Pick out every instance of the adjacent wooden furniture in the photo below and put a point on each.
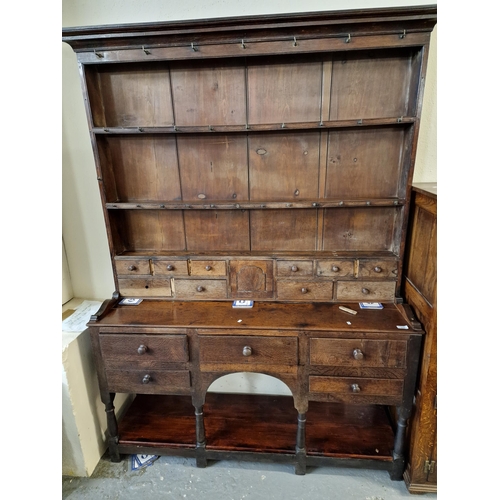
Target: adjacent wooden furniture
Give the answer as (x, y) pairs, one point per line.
(265, 158)
(420, 290)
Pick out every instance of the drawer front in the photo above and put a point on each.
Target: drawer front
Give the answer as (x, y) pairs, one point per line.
(200, 289)
(132, 266)
(149, 381)
(291, 268)
(358, 353)
(366, 291)
(145, 287)
(335, 268)
(143, 349)
(170, 267)
(378, 269)
(208, 268)
(356, 386)
(304, 290)
(249, 350)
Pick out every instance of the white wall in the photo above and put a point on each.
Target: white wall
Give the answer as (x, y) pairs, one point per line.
(82, 219)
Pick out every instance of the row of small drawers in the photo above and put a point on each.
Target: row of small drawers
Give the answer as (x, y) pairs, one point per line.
(337, 268)
(139, 363)
(217, 289)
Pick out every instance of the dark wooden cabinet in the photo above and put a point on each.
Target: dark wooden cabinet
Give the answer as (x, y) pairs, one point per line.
(420, 290)
(265, 158)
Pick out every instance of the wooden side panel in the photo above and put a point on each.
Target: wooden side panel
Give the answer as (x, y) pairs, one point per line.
(284, 166)
(209, 93)
(133, 95)
(284, 90)
(142, 168)
(213, 167)
(364, 163)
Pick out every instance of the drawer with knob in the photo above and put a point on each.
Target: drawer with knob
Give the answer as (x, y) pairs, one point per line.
(170, 267)
(359, 353)
(200, 289)
(335, 268)
(378, 268)
(356, 386)
(304, 290)
(132, 267)
(149, 381)
(145, 287)
(294, 268)
(133, 351)
(227, 349)
(366, 291)
(207, 267)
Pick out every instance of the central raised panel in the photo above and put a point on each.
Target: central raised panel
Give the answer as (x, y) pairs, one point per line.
(251, 279)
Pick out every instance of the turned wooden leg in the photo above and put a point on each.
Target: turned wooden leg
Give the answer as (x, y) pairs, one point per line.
(399, 448)
(201, 459)
(112, 428)
(300, 447)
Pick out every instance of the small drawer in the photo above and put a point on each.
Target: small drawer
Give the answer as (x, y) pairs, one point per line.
(200, 289)
(292, 268)
(170, 267)
(228, 349)
(131, 350)
(358, 353)
(366, 291)
(304, 290)
(356, 386)
(144, 287)
(208, 267)
(132, 266)
(378, 268)
(335, 268)
(149, 381)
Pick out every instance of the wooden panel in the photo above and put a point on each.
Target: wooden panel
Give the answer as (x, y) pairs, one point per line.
(144, 287)
(263, 350)
(148, 230)
(139, 168)
(132, 266)
(359, 229)
(284, 90)
(162, 348)
(294, 268)
(291, 230)
(207, 267)
(251, 278)
(366, 291)
(378, 268)
(367, 387)
(364, 163)
(304, 290)
(284, 166)
(133, 95)
(340, 352)
(335, 268)
(159, 382)
(209, 93)
(217, 230)
(200, 289)
(373, 85)
(170, 267)
(213, 167)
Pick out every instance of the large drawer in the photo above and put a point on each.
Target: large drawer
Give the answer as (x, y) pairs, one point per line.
(366, 291)
(134, 351)
(358, 353)
(356, 386)
(304, 290)
(200, 289)
(149, 381)
(145, 287)
(227, 349)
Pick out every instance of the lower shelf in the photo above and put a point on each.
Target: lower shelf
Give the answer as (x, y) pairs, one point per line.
(256, 424)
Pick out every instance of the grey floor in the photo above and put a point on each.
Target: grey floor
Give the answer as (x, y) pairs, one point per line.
(179, 478)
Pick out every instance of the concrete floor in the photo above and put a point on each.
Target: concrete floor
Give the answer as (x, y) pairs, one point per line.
(179, 478)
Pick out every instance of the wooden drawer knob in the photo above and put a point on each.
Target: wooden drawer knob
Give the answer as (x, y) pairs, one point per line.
(378, 269)
(170, 267)
(358, 354)
(335, 269)
(146, 379)
(294, 269)
(304, 290)
(132, 268)
(142, 349)
(247, 351)
(208, 268)
(365, 291)
(200, 288)
(355, 388)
